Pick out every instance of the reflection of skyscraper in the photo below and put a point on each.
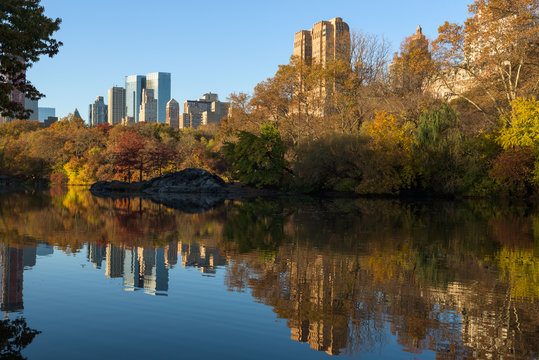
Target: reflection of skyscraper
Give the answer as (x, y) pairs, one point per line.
(96, 254)
(171, 254)
(13, 262)
(146, 269)
(44, 249)
(204, 257)
(131, 269)
(115, 261)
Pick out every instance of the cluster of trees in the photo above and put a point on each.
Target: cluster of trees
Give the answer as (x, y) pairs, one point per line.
(458, 117)
(71, 152)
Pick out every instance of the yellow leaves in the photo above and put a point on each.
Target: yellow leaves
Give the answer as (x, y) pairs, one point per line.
(522, 125)
(388, 131)
(388, 265)
(76, 171)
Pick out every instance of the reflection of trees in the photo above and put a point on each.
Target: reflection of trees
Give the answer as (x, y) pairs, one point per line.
(254, 225)
(71, 219)
(343, 273)
(15, 335)
(338, 278)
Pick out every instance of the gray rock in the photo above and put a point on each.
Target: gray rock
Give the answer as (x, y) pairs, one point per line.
(190, 180)
(191, 190)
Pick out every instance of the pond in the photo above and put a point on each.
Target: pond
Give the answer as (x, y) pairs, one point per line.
(289, 278)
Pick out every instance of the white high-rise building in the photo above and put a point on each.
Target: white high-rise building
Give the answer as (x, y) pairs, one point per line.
(148, 107)
(97, 112)
(173, 114)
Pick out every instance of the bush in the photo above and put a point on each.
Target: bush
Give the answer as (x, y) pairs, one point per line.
(258, 160)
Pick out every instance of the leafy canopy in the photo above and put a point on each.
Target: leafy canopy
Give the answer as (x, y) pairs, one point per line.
(258, 160)
(522, 125)
(25, 35)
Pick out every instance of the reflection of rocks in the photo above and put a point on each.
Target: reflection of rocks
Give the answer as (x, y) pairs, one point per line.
(191, 190)
(189, 203)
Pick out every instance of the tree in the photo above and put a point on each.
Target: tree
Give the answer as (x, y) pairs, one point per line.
(495, 52)
(258, 160)
(438, 146)
(129, 154)
(361, 82)
(25, 35)
(522, 125)
(413, 66)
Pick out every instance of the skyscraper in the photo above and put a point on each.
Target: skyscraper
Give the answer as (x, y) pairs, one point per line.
(159, 82)
(173, 114)
(148, 107)
(116, 105)
(97, 112)
(203, 111)
(45, 112)
(326, 41)
(76, 113)
(133, 94)
(30, 104)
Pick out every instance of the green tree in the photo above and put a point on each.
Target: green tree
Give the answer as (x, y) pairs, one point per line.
(25, 35)
(438, 149)
(258, 160)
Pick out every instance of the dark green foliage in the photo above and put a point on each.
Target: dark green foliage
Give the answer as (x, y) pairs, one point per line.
(15, 335)
(25, 35)
(438, 150)
(258, 160)
(333, 162)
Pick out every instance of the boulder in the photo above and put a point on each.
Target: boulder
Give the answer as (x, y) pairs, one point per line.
(190, 180)
(191, 190)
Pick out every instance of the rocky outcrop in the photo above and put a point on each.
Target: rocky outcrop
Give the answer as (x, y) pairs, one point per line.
(191, 190)
(188, 181)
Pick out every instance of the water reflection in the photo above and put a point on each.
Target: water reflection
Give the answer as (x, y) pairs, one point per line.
(13, 262)
(461, 280)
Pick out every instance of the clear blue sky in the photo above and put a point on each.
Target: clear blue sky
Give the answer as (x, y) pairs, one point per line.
(217, 46)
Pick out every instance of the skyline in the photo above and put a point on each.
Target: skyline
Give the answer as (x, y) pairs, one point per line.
(223, 49)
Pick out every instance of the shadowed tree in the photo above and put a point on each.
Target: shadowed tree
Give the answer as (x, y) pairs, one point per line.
(25, 35)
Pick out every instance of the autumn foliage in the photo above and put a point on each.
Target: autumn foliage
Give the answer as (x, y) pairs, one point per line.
(365, 123)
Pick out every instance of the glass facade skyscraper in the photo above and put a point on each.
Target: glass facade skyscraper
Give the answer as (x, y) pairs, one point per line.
(133, 94)
(159, 82)
(45, 112)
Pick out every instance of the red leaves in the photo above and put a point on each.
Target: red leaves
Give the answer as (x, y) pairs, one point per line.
(129, 154)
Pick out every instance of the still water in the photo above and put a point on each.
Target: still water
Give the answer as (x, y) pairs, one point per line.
(286, 279)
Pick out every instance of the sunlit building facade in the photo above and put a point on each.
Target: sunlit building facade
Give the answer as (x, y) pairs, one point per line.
(116, 105)
(148, 107)
(173, 114)
(203, 111)
(326, 41)
(98, 112)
